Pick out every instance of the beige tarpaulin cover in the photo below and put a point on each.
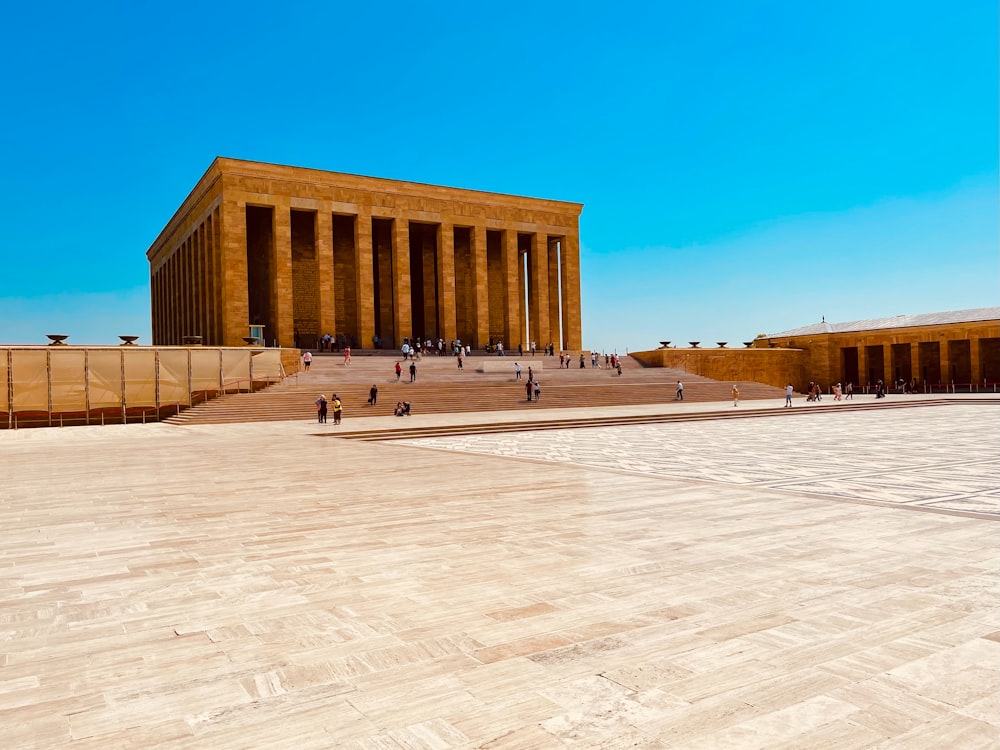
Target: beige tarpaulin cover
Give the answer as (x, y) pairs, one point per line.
(75, 379)
(4, 392)
(206, 367)
(140, 377)
(173, 376)
(236, 368)
(30, 377)
(104, 378)
(68, 373)
(266, 365)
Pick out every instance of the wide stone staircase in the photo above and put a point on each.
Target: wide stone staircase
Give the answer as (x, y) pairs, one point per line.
(441, 388)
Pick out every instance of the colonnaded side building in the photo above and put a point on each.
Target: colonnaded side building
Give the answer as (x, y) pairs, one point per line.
(305, 252)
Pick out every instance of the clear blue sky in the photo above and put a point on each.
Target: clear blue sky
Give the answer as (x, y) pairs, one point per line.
(746, 167)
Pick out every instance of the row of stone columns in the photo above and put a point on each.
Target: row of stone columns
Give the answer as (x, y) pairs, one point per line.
(184, 290)
(946, 358)
(550, 278)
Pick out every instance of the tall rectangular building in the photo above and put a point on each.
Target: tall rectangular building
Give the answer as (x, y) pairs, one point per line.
(304, 252)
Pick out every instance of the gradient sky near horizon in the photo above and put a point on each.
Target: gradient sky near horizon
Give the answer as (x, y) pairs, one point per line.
(746, 167)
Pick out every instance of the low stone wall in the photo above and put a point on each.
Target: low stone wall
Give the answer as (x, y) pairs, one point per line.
(777, 367)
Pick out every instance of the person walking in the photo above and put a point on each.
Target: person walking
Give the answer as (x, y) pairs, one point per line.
(736, 395)
(517, 371)
(680, 391)
(413, 372)
(321, 408)
(461, 366)
(338, 409)
(538, 391)
(399, 371)
(849, 392)
(307, 359)
(373, 395)
(528, 388)
(789, 390)
(347, 355)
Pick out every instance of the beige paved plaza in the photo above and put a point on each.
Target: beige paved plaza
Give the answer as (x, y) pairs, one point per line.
(817, 581)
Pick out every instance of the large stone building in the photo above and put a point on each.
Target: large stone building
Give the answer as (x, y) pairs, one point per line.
(956, 347)
(957, 350)
(304, 252)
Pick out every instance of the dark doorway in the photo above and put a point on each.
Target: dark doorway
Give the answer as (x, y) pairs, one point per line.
(902, 368)
(989, 360)
(849, 364)
(930, 362)
(382, 275)
(960, 361)
(875, 357)
(305, 280)
(345, 278)
(423, 280)
(260, 261)
(465, 283)
(495, 276)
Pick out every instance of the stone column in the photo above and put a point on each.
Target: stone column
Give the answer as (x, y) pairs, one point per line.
(554, 315)
(974, 360)
(571, 328)
(447, 324)
(480, 287)
(324, 270)
(945, 350)
(281, 279)
(511, 285)
(402, 320)
(523, 336)
(199, 282)
(539, 289)
(218, 319)
(235, 297)
(365, 279)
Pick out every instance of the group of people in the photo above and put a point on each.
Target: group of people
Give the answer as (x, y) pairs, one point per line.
(415, 347)
(398, 369)
(322, 408)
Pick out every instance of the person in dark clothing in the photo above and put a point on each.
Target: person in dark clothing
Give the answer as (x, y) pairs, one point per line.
(373, 395)
(413, 372)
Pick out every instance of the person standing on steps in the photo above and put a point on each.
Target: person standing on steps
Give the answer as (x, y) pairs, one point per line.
(413, 372)
(399, 371)
(538, 392)
(517, 371)
(789, 390)
(347, 355)
(373, 395)
(529, 387)
(736, 395)
(338, 409)
(680, 391)
(321, 409)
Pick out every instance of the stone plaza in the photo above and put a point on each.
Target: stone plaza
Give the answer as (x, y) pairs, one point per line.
(798, 579)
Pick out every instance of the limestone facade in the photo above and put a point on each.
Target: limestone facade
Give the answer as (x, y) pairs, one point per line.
(961, 347)
(305, 252)
(958, 349)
